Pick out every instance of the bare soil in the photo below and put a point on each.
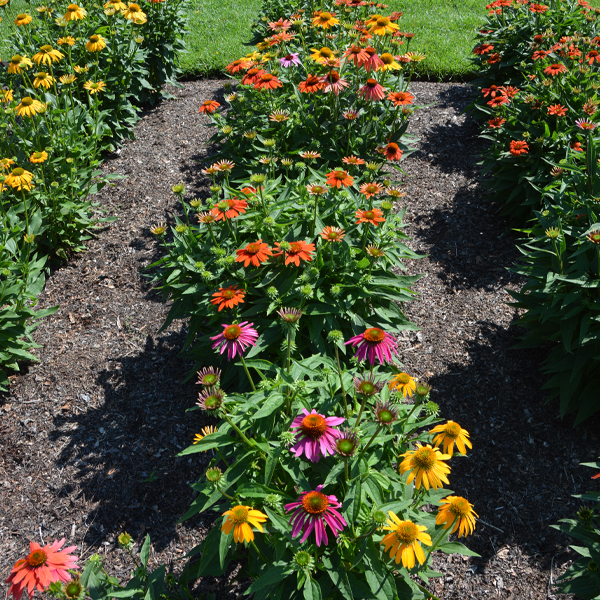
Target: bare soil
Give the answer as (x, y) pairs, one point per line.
(89, 435)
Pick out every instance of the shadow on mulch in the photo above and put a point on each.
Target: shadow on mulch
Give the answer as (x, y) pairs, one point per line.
(135, 428)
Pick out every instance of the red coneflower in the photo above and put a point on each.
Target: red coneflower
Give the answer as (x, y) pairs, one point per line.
(332, 234)
(483, 49)
(370, 189)
(496, 122)
(313, 84)
(334, 83)
(400, 98)
(208, 107)
(392, 152)
(241, 64)
(576, 147)
(539, 54)
(297, 251)
(252, 76)
(498, 101)
(494, 58)
(519, 147)
(555, 69)
(493, 91)
(229, 209)
(373, 62)
(356, 54)
(372, 90)
(339, 178)
(228, 297)
(254, 254)
(558, 110)
(538, 8)
(373, 216)
(593, 55)
(509, 91)
(267, 81)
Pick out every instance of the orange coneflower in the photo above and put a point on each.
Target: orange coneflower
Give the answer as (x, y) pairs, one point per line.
(371, 189)
(310, 155)
(229, 209)
(356, 54)
(325, 20)
(38, 157)
(496, 122)
(392, 151)
(557, 110)
(240, 64)
(373, 216)
(400, 98)
(47, 55)
(353, 160)
(280, 25)
(519, 147)
(23, 19)
(95, 43)
(312, 84)
(593, 55)
(296, 252)
(372, 90)
(228, 297)
(208, 107)
(338, 178)
(252, 76)
(267, 81)
(555, 69)
(332, 234)
(254, 254)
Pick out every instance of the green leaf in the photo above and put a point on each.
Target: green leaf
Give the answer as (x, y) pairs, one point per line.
(271, 463)
(145, 551)
(224, 544)
(312, 590)
(456, 548)
(275, 573)
(339, 576)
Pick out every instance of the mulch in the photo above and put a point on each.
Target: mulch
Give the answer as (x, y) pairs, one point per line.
(89, 435)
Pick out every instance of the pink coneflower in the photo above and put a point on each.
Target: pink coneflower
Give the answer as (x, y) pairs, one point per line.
(235, 338)
(312, 511)
(316, 435)
(372, 90)
(585, 124)
(351, 115)
(290, 60)
(40, 568)
(334, 83)
(373, 61)
(374, 342)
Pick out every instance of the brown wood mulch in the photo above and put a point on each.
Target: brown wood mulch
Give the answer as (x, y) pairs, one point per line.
(88, 436)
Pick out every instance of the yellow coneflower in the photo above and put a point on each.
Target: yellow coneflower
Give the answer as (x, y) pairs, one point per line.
(426, 464)
(74, 13)
(389, 63)
(4, 2)
(29, 107)
(93, 87)
(115, 5)
(239, 518)
(69, 39)
(325, 20)
(19, 179)
(415, 56)
(6, 163)
(459, 511)
(43, 79)
(404, 541)
(404, 383)
(38, 157)
(96, 43)
(44, 10)
(205, 431)
(23, 19)
(79, 70)
(380, 25)
(449, 434)
(6, 95)
(17, 63)
(47, 55)
(67, 79)
(322, 54)
(134, 13)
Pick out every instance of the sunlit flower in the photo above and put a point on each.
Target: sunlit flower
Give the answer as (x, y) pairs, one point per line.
(380, 25)
(373, 344)
(316, 190)
(451, 433)
(538, 8)
(79, 69)
(6, 95)
(235, 339)
(310, 154)
(372, 90)
(313, 511)
(267, 81)
(38, 157)
(240, 64)
(496, 122)
(254, 254)
(289, 60)
(592, 55)
(47, 55)
(370, 190)
(315, 435)
(373, 216)
(239, 518)
(558, 110)
(208, 376)
(353, 160)
(586, 124)
(40, 568)
(296, 252)
(373, 62)
(392, 151)
(339, 178)
(334, 83)
(112, 6)
(403, 383)
(332, 234)
(426, 464)
(44, 80)
(93, 87)
(23, 19)
(29, 107)
(69, 40)
(229, 209)
(252, 76)
(404, 541)
(555, 69)
(367, 385)
(67, 79)
(347, 442)
(322, 54)
(228, 297)
(374, 251)
(385, 413)
(204, 432)
(325, 20)
(389, 63)
(356, 54)
(279, 116)
(458, 511)
(74, 13)
(312, 84)
(6, 163)
(519, 147)
(290, 315)
(17, 63)
(95, 43)
(134, 13)
(280, 25)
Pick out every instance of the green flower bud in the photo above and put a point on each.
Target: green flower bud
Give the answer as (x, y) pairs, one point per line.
(213, 475)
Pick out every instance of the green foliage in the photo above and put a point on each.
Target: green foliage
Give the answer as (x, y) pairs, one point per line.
(582, 578)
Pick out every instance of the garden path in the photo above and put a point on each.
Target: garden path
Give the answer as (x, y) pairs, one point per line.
(88, 436)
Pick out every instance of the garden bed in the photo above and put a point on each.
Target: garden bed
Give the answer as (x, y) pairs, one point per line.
(82, 430)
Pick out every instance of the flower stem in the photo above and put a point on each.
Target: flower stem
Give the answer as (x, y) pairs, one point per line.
(362, 406)
(337, 358)
(222, 457)
(247, 372)
(238, 431)
(369, 442)
(262, 556)
(226, 494)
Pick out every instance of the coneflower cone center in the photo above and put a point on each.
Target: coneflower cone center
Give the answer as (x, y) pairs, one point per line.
(27, 101)
(385, 416)
(459, 507)
(425, 458)
(228, 294)
(407, 533)
(232, 332)
(387, 59)
(383, 21)
(452, 430)
(345, 446)
(18, 172)
(46, 48)
(295, 247)
(313, 425)
(371, 83)
(374, 334)
(253, 248)
(315, 503)
(212, 402)
(239, 514)
(37, 558)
